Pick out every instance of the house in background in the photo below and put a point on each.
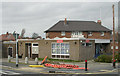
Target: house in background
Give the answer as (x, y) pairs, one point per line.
(82, 29)
(8, 44)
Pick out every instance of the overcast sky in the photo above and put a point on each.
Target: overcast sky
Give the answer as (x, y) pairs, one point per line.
(39, 16)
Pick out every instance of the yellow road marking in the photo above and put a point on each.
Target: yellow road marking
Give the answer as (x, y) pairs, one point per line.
(36, 66)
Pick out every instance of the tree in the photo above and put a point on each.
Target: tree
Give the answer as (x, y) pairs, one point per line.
(34, 35)
(22, 33)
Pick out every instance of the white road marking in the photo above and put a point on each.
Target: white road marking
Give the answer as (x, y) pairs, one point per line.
(8, 72)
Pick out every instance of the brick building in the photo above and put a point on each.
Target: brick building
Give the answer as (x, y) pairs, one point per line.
(8, 44)
(82, 29)
(75, 40)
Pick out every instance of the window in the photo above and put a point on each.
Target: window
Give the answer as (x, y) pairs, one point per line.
(62, 33)
(60, 50)
(35, 48)
(116, 47)
(47, 34)
(86, 44)
(35, 44)
(102, 33)
(111, 47)
(89, 33)
(77, 34)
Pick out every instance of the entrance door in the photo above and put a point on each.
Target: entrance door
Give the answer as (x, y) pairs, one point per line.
(10, 51)
(29, 51)
(97, 50)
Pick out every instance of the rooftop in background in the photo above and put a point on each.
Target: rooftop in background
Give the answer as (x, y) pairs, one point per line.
(70, 25)
(8, 37)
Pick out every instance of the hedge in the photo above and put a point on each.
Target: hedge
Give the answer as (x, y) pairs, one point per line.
(104, 58)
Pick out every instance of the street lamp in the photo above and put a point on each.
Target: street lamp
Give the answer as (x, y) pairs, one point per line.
(16, 52)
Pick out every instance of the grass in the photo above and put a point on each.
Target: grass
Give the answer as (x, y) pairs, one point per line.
(60, 60)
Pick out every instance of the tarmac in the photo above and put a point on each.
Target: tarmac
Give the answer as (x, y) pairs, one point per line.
(93, 67)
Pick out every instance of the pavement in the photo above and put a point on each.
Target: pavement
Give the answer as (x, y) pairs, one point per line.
(93, 68)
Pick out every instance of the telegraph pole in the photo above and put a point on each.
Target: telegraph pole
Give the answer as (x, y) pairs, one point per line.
(113, 37)
(16, 52)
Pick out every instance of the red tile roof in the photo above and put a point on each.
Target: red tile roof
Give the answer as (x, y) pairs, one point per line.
(7, 37)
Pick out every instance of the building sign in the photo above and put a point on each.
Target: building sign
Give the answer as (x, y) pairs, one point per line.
(87, 41)
(102, 40)
(59, 41)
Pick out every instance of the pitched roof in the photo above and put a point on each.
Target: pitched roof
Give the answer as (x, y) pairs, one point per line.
(7, 37)
(78, 26)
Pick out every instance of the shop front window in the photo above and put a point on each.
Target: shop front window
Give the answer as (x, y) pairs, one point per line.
(60, 50)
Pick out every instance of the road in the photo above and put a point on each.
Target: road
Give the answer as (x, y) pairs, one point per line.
(9, 69)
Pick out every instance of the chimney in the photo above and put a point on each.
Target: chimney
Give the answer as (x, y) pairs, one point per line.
(65, 22)
(7, 33)
(99, 22)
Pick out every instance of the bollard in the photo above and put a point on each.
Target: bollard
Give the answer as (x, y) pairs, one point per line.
(36, 61)
(9, 58)
(85, 65)
(114, 64)
(26, 60)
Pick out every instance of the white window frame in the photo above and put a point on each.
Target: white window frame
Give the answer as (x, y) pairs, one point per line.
(90, 34)
(76, 34)
(111, 47)
(36, 47)
(63, 33)
(102, 33)
(116, 47)
(60, 50)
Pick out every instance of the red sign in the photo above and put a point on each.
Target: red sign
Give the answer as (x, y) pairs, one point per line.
(59, 41)
(87, 41)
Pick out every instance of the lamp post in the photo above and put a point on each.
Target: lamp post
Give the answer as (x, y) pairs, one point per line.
(16, 52)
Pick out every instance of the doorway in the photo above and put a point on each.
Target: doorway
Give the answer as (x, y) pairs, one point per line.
(28, 50)
(97, 50)
(10, 51)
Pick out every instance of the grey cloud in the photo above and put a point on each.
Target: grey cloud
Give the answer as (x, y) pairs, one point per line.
(37, 17)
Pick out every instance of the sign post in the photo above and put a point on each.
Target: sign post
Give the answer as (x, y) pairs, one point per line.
(85, 65)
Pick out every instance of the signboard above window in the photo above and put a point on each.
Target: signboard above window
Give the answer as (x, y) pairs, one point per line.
(59, 41)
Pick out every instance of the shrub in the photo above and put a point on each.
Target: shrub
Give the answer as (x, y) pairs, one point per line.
(117, 57)
(104, 58)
